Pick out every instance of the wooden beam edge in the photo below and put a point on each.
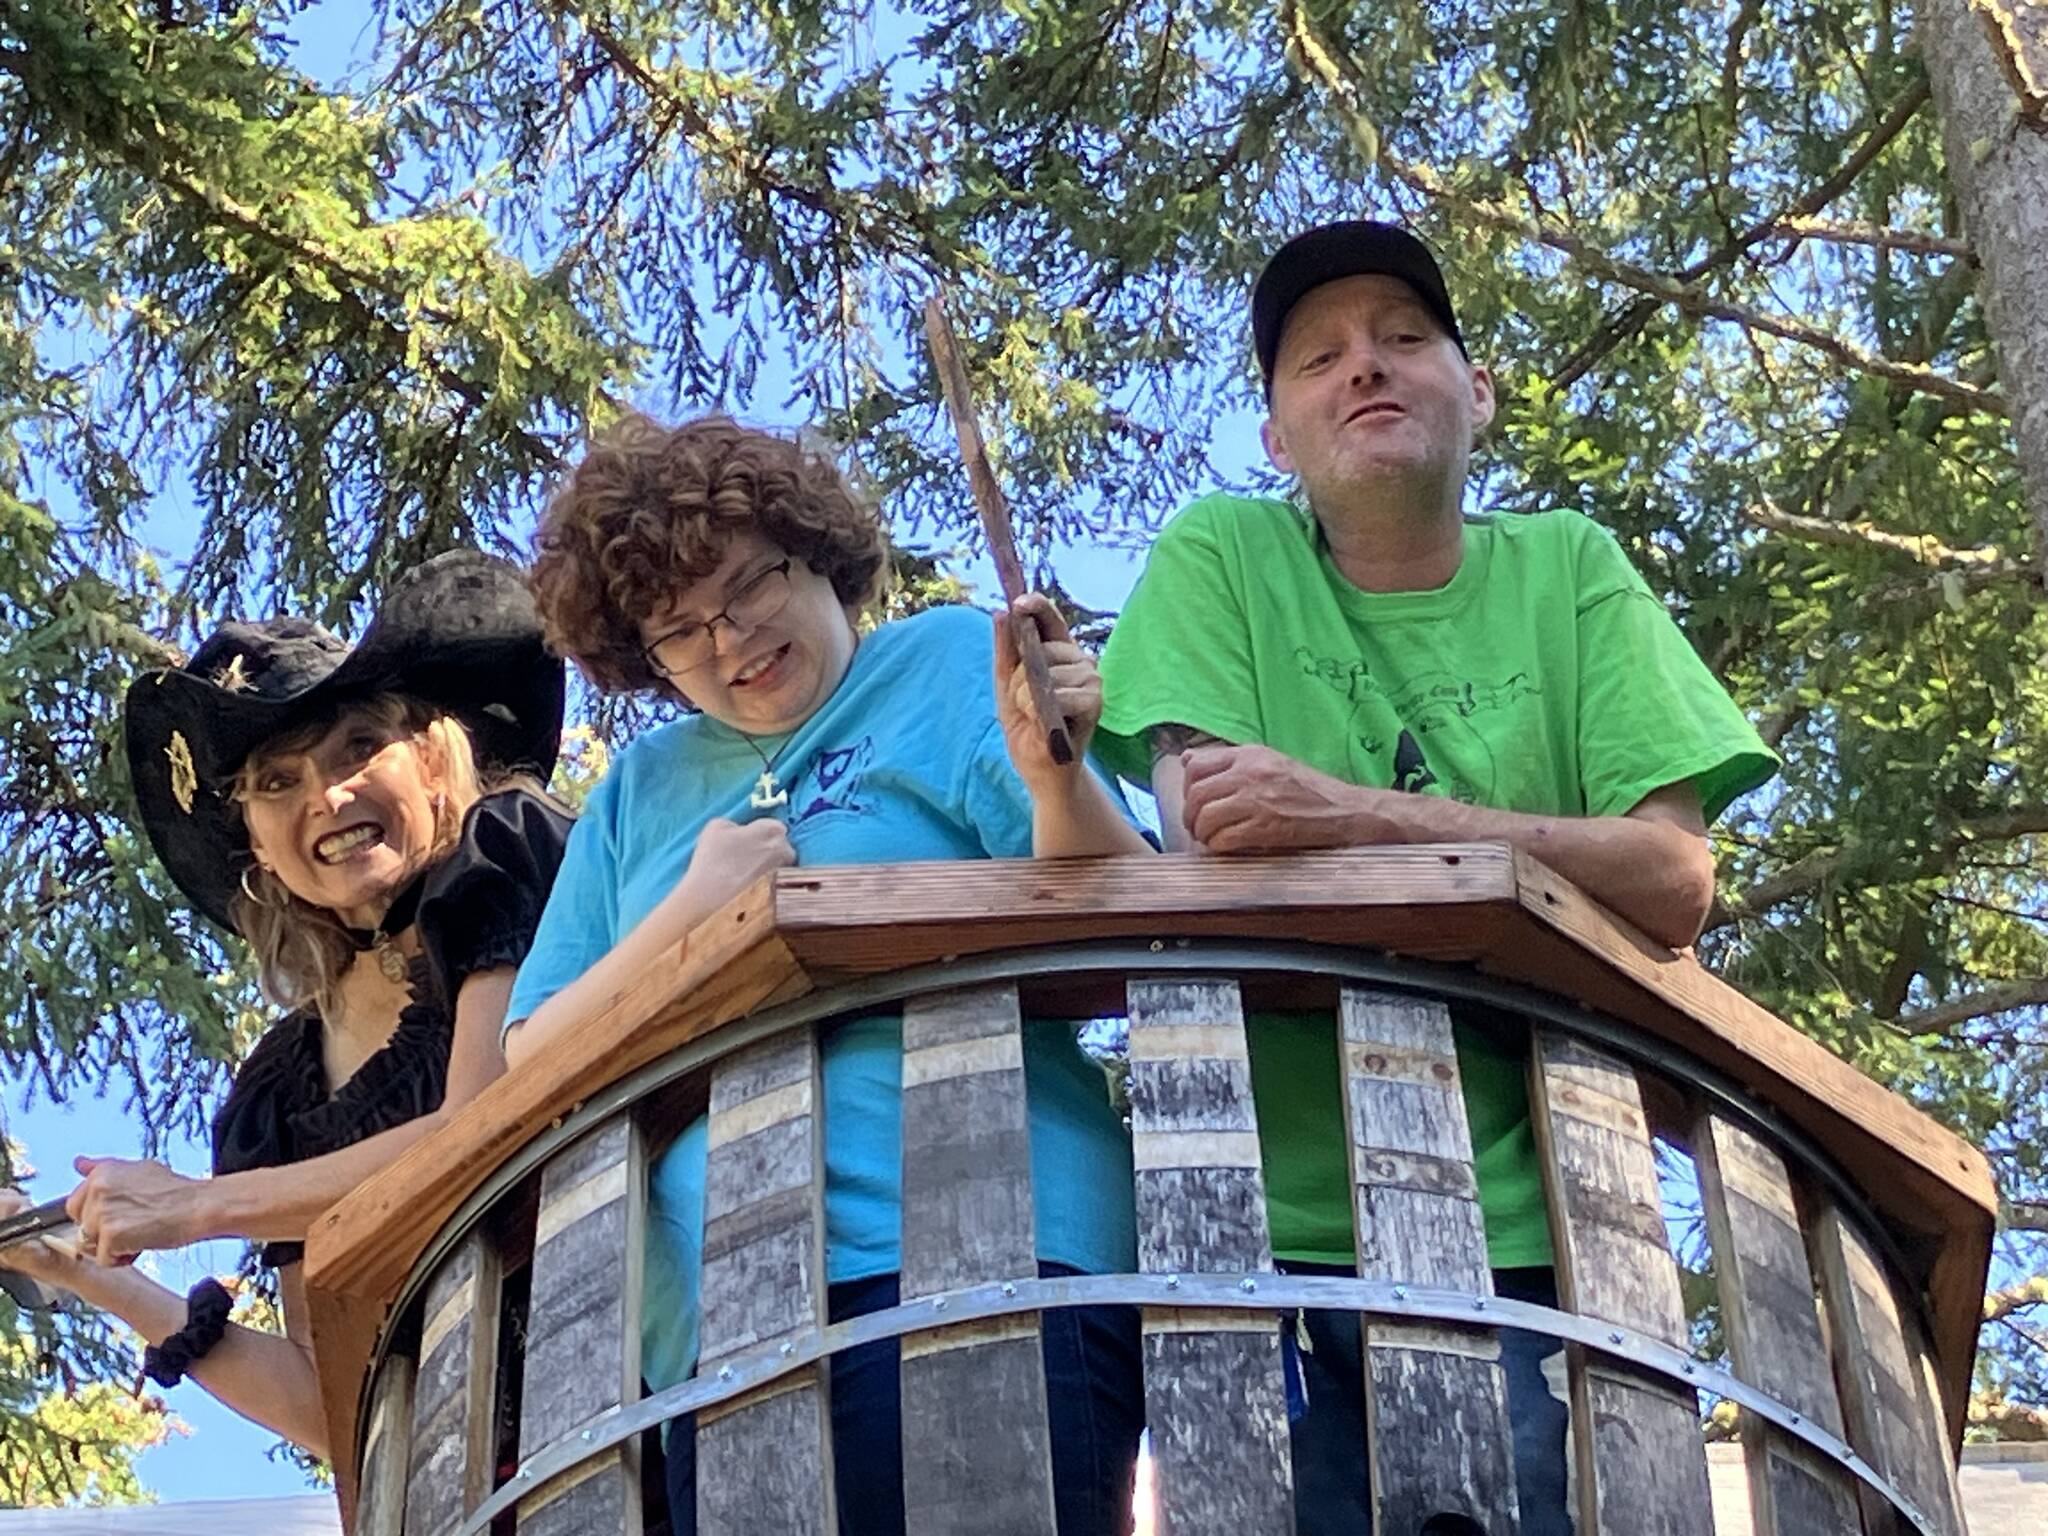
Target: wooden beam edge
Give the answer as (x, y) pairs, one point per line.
(1839, 1090)
(864, 918)
(1945, 1177)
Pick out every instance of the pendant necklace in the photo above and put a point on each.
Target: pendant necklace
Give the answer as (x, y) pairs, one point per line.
(382, 940)
(768, 792)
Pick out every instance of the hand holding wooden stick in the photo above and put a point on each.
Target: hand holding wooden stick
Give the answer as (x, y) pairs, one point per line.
(995, 524)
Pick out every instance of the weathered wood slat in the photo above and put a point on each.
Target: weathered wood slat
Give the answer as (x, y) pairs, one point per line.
(1642, 1461)
(1881, 1364)
(1435, 1397)
(1214, 1395)
(1773, 1326)
(380, 1497)
(977, 1449)
(453, 1393)
(583, 1328)
(764, 1461)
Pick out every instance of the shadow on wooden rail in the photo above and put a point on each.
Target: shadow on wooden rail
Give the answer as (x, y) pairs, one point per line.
(1816, 1184)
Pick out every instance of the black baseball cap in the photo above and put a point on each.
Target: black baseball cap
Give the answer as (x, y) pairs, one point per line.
(1331, 251)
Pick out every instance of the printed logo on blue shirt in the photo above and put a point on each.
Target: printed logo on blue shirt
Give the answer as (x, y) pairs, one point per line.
(832, 782)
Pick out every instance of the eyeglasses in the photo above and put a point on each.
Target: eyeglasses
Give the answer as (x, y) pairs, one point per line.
(273, 779)
(756, 600)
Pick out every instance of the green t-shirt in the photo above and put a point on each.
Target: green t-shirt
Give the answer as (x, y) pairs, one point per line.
(1545, 677)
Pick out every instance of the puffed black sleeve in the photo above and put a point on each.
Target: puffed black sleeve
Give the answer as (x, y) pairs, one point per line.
(253, 1128)
(481, 904)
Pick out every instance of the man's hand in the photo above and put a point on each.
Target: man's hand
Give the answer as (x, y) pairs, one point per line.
(1076, 689)
(125, 1207)
(1256, 800)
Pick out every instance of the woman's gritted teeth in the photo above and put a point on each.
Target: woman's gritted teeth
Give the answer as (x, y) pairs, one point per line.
(762, 666)
(339, 847)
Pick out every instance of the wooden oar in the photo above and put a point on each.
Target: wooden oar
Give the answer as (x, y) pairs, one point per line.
(995, 525)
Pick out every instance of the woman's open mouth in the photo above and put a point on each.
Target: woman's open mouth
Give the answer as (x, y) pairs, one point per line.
(764, 668)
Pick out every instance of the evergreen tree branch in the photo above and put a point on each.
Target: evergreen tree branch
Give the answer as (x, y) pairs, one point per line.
(1679, 292)
(2003, 997)
(349, 283)
(141, 150)
(1632, 319)
(850, 212)
(2023, 57)
(1919, 242)
(1825, 865)
(1922, 548)
(2026, 1216)
(1955, 583)
(2004, 1302)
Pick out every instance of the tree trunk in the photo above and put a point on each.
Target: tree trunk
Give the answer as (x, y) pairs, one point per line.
(1987, 61)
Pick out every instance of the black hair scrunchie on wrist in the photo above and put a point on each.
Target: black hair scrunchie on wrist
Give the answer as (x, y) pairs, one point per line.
(206, 1318)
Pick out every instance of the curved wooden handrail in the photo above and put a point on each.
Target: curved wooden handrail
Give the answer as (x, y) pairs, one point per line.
(1481, 905)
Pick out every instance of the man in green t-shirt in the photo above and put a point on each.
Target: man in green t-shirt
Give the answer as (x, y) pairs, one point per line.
(1371, 667)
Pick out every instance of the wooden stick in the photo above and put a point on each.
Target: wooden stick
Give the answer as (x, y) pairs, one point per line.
(38, 1221)
(995, 525)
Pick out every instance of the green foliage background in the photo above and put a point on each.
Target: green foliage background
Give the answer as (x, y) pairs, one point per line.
(1709, 248)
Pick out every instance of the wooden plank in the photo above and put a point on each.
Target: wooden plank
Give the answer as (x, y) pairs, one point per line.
(1956, 1280)
(380, 1506)
(346, 1330)
(1773, 1328)
(583, 1328)
(1215, 1399)
(1435, 1397)
(454, 1392)
(1642, 1461)
(864, 919)
(764, 1461)
(977, 1448)
(1881, 1367)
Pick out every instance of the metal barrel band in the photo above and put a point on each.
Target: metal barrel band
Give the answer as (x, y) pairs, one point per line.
(1263, 1292)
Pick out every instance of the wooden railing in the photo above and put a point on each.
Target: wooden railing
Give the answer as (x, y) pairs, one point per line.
(476, 1307)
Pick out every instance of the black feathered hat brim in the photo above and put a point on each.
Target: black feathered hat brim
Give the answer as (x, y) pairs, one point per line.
(458, 632)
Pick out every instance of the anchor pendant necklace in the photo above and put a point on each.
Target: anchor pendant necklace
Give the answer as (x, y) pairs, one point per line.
(768, 792)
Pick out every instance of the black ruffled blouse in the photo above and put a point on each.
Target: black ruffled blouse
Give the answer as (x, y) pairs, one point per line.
(477, 910)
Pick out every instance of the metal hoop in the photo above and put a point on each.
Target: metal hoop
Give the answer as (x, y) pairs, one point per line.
(254, 899)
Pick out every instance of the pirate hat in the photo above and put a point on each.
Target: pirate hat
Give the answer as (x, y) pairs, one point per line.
(459, 632)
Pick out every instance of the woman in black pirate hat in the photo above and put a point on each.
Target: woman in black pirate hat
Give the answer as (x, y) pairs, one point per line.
(370, 821)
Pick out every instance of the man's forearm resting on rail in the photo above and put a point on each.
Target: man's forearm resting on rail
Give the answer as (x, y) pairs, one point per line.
(1651, 866)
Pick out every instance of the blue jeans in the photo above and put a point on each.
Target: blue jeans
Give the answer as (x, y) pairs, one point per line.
(1332, 1495)
(1094, 1396)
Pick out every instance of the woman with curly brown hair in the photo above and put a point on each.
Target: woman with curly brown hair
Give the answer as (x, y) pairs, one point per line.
(727, 570)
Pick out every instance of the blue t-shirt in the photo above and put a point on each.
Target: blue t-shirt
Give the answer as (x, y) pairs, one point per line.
(905, 761)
